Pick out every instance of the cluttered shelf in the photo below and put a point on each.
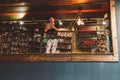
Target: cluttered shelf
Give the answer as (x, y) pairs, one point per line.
(20, 42)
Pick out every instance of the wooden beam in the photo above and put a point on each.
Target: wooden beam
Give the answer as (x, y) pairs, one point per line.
(52, 12)
(60, 57)
(50, 2)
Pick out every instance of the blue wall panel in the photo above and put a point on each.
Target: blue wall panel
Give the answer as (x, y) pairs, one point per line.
(62, 70)
(59, 71)
(118, 20)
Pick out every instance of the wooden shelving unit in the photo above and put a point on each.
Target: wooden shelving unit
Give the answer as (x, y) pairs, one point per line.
(65, 42)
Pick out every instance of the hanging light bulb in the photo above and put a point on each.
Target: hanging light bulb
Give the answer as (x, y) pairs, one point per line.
(60, 23)
(103, 22)
(82, 23)
(21, 22)
(79, 21)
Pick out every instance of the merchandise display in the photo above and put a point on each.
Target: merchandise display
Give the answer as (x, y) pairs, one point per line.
(23, 40)
(64, 42)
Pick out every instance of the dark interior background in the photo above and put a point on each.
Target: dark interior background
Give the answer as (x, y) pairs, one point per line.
(60, 9)
(63, 70)
(39, 11)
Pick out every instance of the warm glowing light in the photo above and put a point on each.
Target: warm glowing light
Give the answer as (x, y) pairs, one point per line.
(20, 12)
(104, 22)
(18, 15)
(23, 3)
(21, 22)
(21, 9)
(60, 23)
(80, 22)
(21, 15)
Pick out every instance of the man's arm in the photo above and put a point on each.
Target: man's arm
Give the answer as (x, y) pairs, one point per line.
(56, 28)
(48, 26)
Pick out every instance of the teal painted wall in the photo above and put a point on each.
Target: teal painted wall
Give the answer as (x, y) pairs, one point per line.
(63, 70)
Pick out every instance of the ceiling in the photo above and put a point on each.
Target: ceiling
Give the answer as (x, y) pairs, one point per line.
(60, 9)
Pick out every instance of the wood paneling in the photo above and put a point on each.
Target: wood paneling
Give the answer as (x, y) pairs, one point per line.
(47, 2)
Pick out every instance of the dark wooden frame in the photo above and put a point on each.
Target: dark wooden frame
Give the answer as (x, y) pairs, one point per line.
(73, 57)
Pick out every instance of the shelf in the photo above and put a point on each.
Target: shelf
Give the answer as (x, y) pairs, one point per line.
(64, 37)
(64, 49)
(65, 41)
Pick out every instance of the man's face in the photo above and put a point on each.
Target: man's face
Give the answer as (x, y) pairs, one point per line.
(52, 19)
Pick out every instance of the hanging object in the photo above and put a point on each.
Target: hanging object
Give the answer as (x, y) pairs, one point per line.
(79, 20)
(60, 22)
